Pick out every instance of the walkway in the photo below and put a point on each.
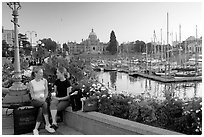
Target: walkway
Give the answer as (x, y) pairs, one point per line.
(8, 127)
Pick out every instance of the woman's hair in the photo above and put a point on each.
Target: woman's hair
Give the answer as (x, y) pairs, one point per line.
(35, 70)
(64, 71)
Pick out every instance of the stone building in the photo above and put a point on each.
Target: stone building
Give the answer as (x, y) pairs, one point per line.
(194, 45)
(92, 45)
(8, 36)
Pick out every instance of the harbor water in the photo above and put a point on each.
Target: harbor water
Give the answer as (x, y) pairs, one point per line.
(122, 82)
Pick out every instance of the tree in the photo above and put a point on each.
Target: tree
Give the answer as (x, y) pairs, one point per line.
(112, 46)
(49, 44)
(139, 46)
(65, 47)
(5, 47)
(40, 54)
(149, 48)
(27, 48)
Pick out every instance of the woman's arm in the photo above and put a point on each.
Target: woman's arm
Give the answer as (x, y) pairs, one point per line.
(31, 90)
(46, 89)
(55, 89)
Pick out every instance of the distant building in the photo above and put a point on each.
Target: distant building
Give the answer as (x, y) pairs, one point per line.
(126, 47)
(8, 36)
(193, 45)
(92, 45)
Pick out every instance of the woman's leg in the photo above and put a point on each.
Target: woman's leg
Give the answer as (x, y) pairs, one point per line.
(42, 110)
(53, 109)
(62, 105)
(45, 113)
(39, 118)
(37, 104)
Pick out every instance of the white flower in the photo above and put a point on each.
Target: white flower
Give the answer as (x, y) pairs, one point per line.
(94, 85)
(103, 96)
(103, 88)
(97, 88)
(129, 102)
(132, 96)
(27, 73)
(98, 85)
(136, 100)
(111, 95)
(197, 111)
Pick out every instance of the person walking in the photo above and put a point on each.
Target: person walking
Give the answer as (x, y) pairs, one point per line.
(39, 92)
(60, 99)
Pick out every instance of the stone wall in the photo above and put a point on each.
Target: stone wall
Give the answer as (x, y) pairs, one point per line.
(95, 123)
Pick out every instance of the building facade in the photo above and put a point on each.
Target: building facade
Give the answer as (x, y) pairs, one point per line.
(8, 36)
(194, 45)
(92, 45)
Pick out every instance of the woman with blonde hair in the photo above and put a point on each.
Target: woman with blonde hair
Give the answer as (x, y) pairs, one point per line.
(39, 92)
(60, 96)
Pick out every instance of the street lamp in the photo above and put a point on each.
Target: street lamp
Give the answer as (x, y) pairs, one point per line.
(18, 93)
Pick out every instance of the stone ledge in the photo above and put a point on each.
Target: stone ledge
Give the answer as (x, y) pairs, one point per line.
(96, 123)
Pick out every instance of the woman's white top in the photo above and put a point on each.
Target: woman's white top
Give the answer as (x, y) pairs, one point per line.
(38, 88)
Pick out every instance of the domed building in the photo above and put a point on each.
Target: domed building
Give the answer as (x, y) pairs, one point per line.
(92, 45)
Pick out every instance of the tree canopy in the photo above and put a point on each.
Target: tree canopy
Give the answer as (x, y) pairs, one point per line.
(5, 47)
(65, 47)
(49, 44)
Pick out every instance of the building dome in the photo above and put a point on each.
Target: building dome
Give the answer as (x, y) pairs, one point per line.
(92, 36)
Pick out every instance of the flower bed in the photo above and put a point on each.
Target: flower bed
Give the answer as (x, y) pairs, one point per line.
(172, 114)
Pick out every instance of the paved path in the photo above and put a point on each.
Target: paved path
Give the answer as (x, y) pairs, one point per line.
(8, 127)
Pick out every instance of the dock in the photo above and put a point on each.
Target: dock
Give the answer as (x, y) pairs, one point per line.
(165, 79)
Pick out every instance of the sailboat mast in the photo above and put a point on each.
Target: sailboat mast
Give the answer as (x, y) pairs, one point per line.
(161, 36)
(167, 28)
(196, 57)
(166, 47)
(180, 43)
(168, 43)
(161, 46)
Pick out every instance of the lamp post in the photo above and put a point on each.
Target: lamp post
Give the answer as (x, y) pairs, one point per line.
(18, 93)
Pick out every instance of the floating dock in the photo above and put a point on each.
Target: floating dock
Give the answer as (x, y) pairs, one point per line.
(167, 79)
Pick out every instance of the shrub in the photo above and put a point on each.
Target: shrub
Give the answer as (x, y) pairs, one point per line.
(172, 114)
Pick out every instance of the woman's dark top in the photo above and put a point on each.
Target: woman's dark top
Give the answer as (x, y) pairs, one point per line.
(62, 87)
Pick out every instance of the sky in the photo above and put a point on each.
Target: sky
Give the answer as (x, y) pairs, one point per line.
(131, 21)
